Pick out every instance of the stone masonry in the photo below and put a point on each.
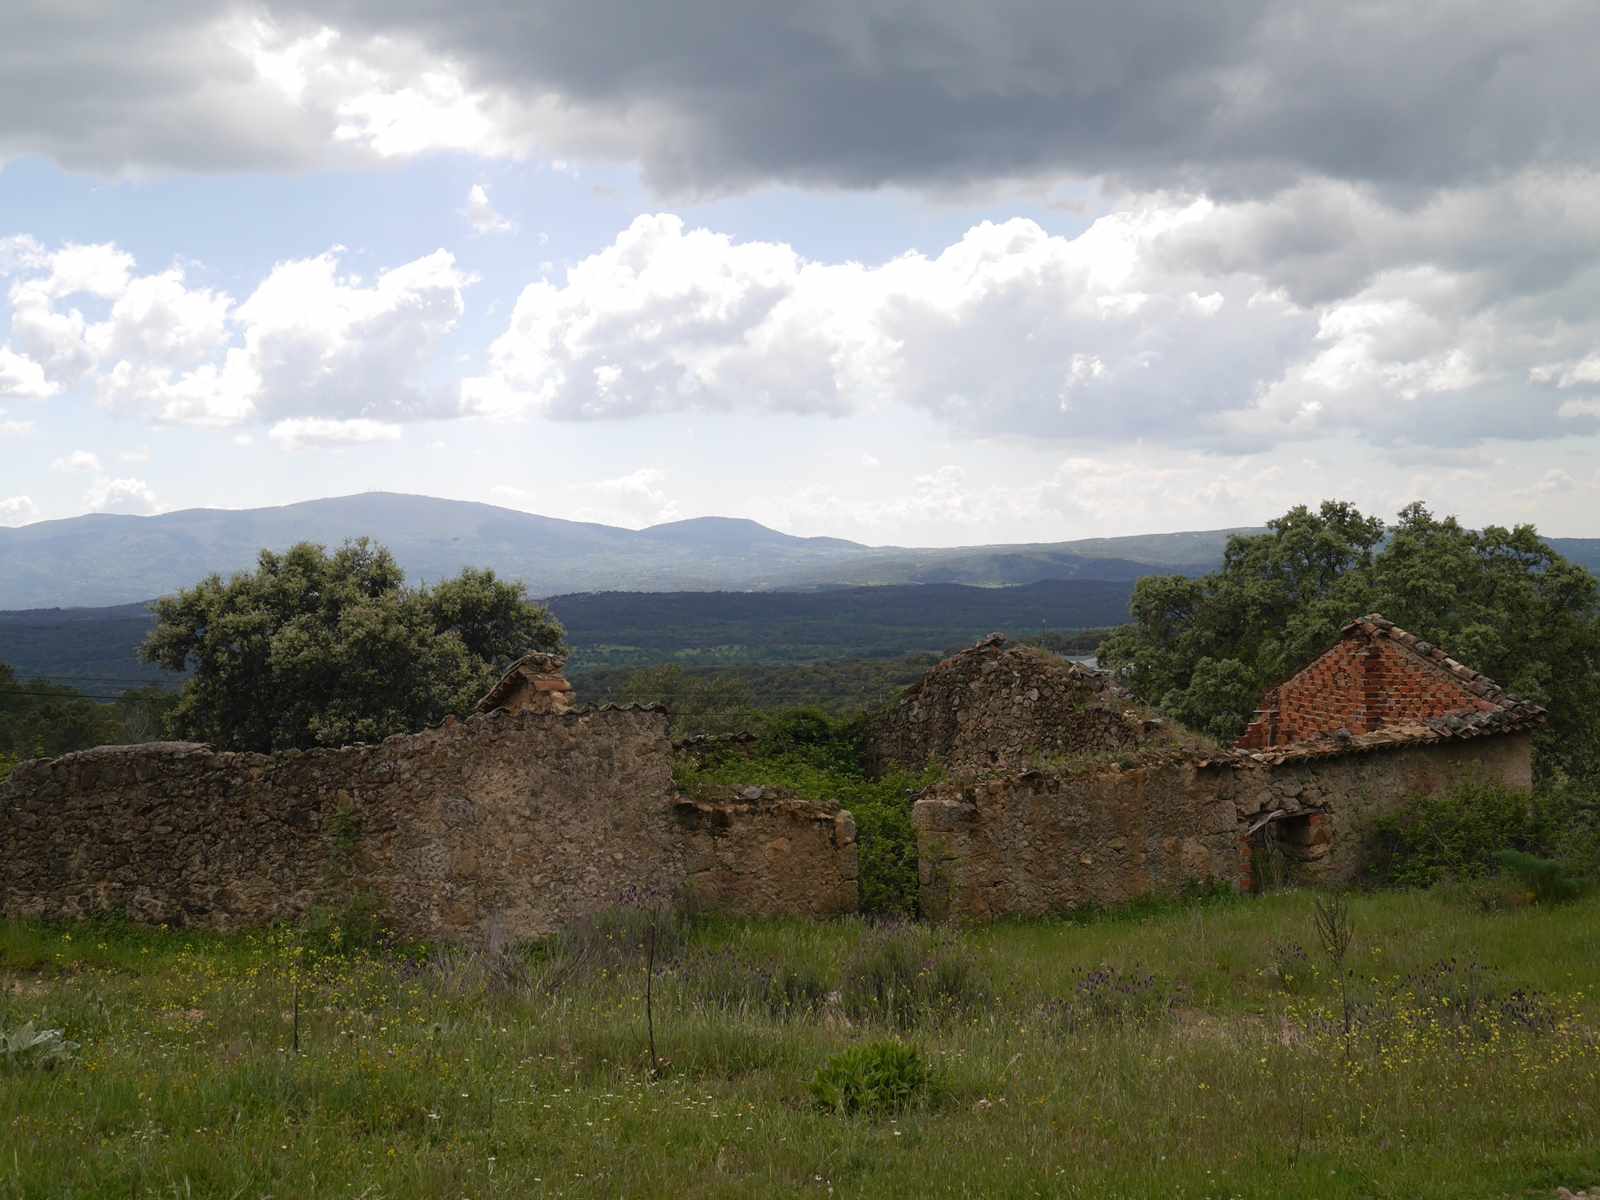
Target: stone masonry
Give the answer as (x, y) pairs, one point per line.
(1380, 718)
(999, 705)
(519, 822)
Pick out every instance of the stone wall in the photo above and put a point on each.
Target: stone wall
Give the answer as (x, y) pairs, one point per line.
(998, 705)
(1034, 842)
(520, 821)
(769, 855)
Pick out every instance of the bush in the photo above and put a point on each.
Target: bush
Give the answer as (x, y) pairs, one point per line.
(355, 926)
(1457, 833)
(8, 763)
(903, 974)
(1551, 882)
(873, 1079)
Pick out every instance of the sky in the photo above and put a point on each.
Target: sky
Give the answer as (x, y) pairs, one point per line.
(918, 272)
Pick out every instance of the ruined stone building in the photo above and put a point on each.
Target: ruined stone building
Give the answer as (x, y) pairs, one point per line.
(1057, 791)
(534, 683)
(1129, 810)
(529, 815)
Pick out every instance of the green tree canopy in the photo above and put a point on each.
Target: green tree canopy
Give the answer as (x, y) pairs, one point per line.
(319, 649)
(41, 718)
(1500, 600)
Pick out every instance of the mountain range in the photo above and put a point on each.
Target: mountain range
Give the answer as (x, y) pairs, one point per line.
(108, 559)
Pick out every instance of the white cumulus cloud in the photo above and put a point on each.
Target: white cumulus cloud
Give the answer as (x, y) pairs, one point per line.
(126, 495)
(310, 340)
(1174, 318)
(481, 214)
(78, 460)
(296, 432)
(17, 510)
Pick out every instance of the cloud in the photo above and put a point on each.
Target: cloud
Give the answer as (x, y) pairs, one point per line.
(633, 500)
(481, 215)
(298, 432)
(196, 86)
(14, 428)
(308, 341)
(17, 510)
(121, 496)
(1240, 94)
(23, 379)
(1176, 319)
(78, 460)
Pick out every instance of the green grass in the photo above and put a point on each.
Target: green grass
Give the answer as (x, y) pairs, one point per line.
(528, 1075)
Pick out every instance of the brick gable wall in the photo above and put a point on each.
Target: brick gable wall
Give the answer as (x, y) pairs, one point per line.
(1359, 685)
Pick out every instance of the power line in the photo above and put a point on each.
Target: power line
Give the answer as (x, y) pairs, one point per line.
(39, 676)
(58, 696)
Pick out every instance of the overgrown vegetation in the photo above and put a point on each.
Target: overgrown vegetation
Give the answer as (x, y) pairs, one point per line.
(820, 757)
(1465, 833)
(873, 1079)
(1501, 600)
(1140, 1053)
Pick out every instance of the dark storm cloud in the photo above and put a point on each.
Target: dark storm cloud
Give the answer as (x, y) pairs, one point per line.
(1232, 95)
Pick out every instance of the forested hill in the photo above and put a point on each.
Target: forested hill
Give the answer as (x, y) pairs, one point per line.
(96, 646)
(105, 559)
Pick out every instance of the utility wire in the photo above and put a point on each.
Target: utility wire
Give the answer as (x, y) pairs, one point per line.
(59, 696)
(39, 678)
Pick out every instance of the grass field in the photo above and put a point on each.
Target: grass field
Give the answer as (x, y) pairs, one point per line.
(1209, 1060)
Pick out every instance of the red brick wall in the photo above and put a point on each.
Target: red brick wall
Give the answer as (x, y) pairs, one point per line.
(1356, 686)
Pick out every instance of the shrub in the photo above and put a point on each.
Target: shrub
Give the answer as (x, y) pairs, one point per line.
(1456, 833)
(873, 1079)
(356, 925)
(904, 974)
(8, 763)
(1551, 882)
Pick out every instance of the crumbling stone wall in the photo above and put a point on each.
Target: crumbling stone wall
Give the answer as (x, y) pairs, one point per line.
(998, 705)
(763, 853)
(520, 822)
(1035, 842)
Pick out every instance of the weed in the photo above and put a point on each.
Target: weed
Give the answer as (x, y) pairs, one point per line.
(1290, 966)
(873, 1079)
(734, 982)
(1109, 997)
(1336, 932)
(902, 975)
(39, 1049)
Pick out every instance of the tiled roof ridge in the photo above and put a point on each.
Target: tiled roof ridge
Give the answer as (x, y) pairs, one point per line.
(542, 663)
(1511, 712)
(1376, 625)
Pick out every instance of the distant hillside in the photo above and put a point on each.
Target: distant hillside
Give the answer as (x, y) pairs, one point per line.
(106, 559)
(96, 647)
